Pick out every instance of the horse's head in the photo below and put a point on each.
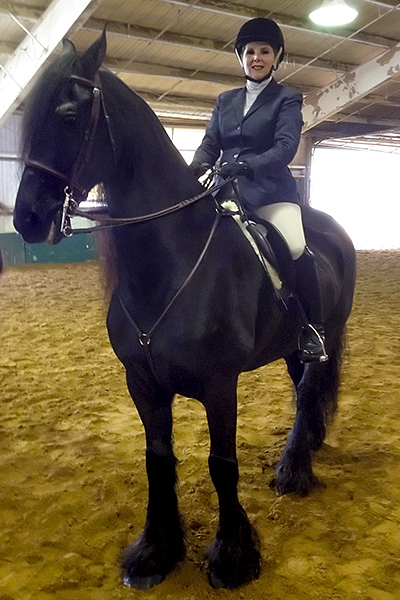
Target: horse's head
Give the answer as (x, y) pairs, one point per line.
(65, 138)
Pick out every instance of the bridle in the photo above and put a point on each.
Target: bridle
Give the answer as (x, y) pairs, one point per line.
(74, 191)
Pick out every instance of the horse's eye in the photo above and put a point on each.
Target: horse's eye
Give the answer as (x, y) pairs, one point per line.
(69, 118)
(67, 112)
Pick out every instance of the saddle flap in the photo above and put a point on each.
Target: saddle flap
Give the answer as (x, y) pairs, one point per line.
(275, 249)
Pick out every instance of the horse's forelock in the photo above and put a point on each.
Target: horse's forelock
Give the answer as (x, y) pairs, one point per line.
(36, 109)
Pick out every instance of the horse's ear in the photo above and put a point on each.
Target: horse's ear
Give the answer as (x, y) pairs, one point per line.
(94, 55)
(68, 47)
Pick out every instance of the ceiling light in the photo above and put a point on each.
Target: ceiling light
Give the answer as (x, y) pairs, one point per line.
(333, 12)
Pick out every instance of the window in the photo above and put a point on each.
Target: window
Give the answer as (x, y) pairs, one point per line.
(186, 140)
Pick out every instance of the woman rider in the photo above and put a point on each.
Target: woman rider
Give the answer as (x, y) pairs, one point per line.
(257, 128)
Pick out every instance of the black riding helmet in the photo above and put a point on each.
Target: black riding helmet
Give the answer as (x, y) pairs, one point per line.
(260, 30)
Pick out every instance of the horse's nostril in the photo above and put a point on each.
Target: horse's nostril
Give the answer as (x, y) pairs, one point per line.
(33, 219)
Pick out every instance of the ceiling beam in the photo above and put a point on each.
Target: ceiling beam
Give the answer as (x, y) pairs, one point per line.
(131, 32)
(19, 71)
(351, 87)
(143, 69)
(120, 66)
(246, 12)
(374, 99)
(342, 120)
(202, 109)
(204, 105)
(389, 5)
(22, 11)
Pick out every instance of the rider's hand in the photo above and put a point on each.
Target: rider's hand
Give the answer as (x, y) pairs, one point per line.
(235, 169)
(198, 169)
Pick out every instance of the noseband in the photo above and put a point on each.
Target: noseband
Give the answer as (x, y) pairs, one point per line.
(74, 192)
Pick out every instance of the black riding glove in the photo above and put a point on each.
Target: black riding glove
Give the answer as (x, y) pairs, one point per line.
(198, 169)
(235, 169)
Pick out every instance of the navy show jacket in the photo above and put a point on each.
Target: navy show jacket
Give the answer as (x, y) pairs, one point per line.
(267, 138)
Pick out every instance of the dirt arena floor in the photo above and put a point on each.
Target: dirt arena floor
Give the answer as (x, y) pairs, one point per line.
(72, 479)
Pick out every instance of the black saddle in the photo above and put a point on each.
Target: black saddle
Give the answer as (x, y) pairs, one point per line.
(274, 248)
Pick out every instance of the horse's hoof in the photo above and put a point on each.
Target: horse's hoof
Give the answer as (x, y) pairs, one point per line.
(235, 580)
(234, 558)
(300, 486)
(142, 583)
(215, 581)
(146, 564)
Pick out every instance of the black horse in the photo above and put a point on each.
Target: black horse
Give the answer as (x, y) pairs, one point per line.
(192, 307)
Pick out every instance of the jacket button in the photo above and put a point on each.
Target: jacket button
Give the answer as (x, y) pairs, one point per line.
(235, 155)
(239, 128)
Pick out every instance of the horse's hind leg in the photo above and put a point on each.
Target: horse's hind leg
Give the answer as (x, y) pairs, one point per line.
(316, 390)
(156, 552)
(234, 555)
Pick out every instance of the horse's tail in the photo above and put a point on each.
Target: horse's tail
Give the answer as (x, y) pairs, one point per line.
(3, 211)
(332, 374)
(317, 386)
(338, 346)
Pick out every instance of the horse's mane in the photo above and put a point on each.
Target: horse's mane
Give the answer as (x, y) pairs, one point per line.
(145, 125)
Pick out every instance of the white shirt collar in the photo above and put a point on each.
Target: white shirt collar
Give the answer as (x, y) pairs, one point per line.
(255, 86)
(253, 89)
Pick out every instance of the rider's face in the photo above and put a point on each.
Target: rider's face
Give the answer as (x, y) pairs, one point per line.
(258, 59)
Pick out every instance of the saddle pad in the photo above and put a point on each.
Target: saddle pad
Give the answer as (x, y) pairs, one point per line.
(231, 206)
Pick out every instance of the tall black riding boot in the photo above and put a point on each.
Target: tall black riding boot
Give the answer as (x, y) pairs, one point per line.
(311, 341)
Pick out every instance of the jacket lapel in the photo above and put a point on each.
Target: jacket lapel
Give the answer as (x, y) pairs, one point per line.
(238, 104)
(271, 89)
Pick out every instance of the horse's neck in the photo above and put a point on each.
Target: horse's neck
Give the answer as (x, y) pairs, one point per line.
(155, 257)
(146, 182)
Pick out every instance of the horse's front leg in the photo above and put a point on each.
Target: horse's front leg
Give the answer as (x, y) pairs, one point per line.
(234, 555)
(148, 560)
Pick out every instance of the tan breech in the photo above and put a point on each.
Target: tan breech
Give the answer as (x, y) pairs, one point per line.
(286, 217)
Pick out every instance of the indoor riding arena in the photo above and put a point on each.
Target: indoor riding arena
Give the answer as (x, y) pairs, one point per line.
(73, 480)
(72, 469)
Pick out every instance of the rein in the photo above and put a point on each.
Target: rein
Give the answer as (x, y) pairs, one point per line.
(109, 222)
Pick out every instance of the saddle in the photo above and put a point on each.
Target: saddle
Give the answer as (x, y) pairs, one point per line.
(268, 244)
(274, 248)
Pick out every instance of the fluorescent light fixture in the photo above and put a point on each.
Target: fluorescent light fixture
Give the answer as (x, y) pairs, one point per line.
(333, 13)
